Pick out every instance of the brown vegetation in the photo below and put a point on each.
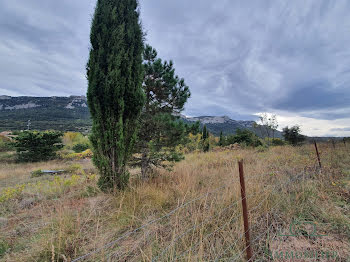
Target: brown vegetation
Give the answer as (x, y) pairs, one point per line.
(64, 218)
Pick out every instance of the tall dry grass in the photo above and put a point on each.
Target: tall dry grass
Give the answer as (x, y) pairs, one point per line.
(283, 184)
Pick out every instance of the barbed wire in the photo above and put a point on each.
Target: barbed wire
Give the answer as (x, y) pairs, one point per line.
(240, 237)
(194, 227)
(259, 237)
(110, 244)
(149, 223)
(236, 217)
(149, 235)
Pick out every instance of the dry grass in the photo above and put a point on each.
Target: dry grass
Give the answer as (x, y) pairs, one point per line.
(283, 185)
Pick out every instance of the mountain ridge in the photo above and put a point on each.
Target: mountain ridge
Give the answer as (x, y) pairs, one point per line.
(72, 114)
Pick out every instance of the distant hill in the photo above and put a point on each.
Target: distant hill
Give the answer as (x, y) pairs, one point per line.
(72, 114)
(58, 113)
(216, 124)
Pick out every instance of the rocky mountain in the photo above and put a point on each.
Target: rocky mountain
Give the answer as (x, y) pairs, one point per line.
(216, 124)
(71, 113)
(58, 113)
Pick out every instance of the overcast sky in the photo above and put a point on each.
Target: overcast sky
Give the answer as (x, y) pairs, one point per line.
(291, 58)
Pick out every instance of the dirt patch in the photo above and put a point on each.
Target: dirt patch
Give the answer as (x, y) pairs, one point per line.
(325, 248)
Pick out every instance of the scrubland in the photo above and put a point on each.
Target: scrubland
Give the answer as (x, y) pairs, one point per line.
(60, 218)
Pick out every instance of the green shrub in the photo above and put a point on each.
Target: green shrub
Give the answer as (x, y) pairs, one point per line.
(3, 247)
(37, 173)
(75, 168)
(243, 137)
(5, 144)
(262, 148)
(278, 142)
(80, 147)
(293, 135)
(34, 146)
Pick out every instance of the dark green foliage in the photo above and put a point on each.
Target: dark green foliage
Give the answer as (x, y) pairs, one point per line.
(50, 113)
(37, 173)
(80, 147)
(4, 246)
(193, 129)
(277, 142)
(346, 139)
(222, 141)
(5, 144)
(205, 133)
(115, 96)
(34, 146)
(292, 135)
(244, 137)
(161, 131)
(205, 139)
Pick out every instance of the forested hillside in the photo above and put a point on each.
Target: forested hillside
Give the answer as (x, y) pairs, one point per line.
(72, 114)
(58, 113)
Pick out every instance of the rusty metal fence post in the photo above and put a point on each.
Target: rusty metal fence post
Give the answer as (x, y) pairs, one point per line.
(245, 211)
(318, 155)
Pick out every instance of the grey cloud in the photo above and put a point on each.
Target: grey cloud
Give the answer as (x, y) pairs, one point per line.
(347, 129)
(238, 57)
(257, 55)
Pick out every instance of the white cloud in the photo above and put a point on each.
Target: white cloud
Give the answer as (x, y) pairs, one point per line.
(314, 127)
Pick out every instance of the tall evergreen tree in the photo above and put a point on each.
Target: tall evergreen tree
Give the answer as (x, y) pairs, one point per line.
(115, 95)
(204, 133)
(205, 139)
(221, 139)
(161, 131)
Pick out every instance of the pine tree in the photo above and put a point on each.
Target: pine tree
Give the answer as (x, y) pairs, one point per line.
(193, 129)
(115, 95)
(161, 131)
(34, 146)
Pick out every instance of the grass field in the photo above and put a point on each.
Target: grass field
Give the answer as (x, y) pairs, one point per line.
(63, 217)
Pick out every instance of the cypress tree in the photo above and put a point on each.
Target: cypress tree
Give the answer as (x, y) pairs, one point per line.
(204, 133)
(221, 140)
(205, 139)
(115, 95)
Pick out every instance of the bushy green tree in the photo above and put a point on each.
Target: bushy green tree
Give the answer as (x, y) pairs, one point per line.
(193, 129)
(81, 147)
(293, 136)
(221, 139)
(115, 95)
(245, 137)
(161, 131)
(34, 146)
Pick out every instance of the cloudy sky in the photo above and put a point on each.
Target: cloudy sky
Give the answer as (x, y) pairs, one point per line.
(240, 58)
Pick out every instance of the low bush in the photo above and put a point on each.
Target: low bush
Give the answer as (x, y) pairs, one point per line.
(243, 137)
(5, 144)
(80, 147)
(278, 142)
(66, 155)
